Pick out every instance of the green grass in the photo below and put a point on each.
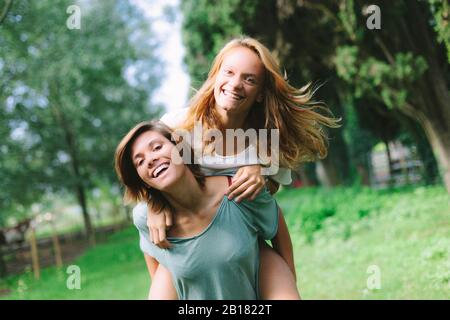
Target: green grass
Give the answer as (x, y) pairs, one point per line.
(337, 235)
(404, 232)
(111, 270)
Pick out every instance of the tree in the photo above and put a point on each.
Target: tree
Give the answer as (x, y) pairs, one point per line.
(70, 95)
(398, 64)
(4, 11)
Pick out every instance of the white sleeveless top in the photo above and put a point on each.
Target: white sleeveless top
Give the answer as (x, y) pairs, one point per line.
(214, 163)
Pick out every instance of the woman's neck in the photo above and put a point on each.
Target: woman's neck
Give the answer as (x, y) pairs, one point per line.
(186, 195)
(232, 121)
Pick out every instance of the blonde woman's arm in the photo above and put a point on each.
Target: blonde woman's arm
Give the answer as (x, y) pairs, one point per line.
(158, 223)
(161, 287)
(246, 183)
(282, 243)
(152, 265)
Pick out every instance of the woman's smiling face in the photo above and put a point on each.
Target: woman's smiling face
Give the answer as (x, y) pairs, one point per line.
(239, 81)
(153, 157)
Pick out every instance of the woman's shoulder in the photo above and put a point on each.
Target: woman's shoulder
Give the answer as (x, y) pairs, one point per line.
(175, 118)
(140, 216)
(216, 184)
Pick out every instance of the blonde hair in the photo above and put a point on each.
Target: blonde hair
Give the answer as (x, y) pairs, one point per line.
(135, 188)
(284, 107)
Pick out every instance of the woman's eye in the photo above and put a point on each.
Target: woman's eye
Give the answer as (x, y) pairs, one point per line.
(158, 147)
(139, 162)
(227, 72)
(251, 80)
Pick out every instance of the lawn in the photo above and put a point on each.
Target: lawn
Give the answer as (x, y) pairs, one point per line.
(402, 234)
(111, 270)
(349, 243)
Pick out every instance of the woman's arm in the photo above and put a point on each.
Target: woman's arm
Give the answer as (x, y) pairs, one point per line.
(152, 265)
(157, 224)
(282, 243)
(247, 183)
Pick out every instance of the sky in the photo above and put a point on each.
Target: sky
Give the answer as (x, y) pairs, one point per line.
(173, 93)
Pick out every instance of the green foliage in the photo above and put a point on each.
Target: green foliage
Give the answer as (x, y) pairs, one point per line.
(207, 25)
(348, 18)
(360, 140)
(205, 29)
(441, 12)
(68, 96)
(308, 213)
(345, 61)
(375, 78)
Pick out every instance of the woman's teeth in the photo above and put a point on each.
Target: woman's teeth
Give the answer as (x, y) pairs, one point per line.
(159, 169)
(232, 95)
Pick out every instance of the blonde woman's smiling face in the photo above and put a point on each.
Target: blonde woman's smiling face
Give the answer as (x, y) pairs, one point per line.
(239, 81)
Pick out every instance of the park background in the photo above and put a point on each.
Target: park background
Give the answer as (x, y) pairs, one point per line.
(371, 221)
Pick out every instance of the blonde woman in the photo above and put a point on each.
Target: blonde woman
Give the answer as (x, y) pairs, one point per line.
(246, 90)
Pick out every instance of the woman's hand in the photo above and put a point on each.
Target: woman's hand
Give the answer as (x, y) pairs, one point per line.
(158, 223)
(272, 186)
(246, 183)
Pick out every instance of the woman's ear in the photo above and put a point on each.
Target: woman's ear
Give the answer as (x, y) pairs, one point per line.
(259, 98)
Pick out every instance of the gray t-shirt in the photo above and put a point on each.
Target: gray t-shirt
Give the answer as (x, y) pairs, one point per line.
(222, 261)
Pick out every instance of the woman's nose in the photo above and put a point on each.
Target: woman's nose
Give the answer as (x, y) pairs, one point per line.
(150, 160)
(236, 82)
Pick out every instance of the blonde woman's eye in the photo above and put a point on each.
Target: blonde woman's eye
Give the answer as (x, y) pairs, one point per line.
(158, 147)
(227, 72)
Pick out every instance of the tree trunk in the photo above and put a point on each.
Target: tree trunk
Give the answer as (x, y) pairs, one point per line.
(81, 192)
(304, 177)
(389, 158)
(3, 269)
(81, 196)
(363, 173)
(424, 151)
(438, 136)
(75, 165)
(440, 142)
(331, 171)
(435, 113)
(5, 10)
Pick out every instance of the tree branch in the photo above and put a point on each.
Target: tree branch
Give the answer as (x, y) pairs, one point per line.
(5, 10)
(385, 50)
(326, 11)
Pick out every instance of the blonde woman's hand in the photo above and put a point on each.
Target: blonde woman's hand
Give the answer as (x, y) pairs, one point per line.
(272, 186)
(246, 183)
(158, 223)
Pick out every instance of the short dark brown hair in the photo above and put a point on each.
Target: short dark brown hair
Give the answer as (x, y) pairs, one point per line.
(135, 188)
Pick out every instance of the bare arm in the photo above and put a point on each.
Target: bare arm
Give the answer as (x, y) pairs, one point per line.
(157, 223)
(162, 286)
(282, 243)
(247, 183)
(152, 265)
